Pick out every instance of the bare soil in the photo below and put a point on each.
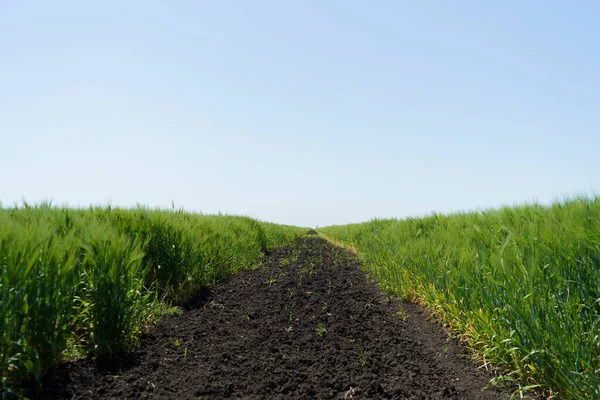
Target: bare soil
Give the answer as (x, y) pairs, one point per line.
(307, 324)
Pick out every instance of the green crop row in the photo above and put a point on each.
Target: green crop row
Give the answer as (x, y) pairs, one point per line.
(94, 279)
(522, 285)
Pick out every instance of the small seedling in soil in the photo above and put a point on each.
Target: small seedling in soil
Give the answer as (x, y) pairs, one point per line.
(176, 342)
(310, 268)
(284, 261)
(369, 304)
(291, 320)
(401, 313)
(444, 351)
(273, 278)
(321, 329)
(290, 292)
(362, 356)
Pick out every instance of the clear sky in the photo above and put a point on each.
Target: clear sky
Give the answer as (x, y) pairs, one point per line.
(307, 112)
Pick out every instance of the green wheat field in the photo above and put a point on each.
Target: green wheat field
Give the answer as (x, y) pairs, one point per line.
(520, 286)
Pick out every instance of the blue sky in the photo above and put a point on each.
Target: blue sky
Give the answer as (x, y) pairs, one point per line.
(306, 113)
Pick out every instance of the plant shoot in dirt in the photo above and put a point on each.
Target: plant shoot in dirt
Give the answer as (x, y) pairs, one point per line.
(284, 261)
(401, 312)
(362, 354)
(291, 322)
(295, 256)
(321, 331)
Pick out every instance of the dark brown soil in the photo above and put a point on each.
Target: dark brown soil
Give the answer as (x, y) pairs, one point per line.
(306, 325)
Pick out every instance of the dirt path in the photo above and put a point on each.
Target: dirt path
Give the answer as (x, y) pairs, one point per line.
(305, 326)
